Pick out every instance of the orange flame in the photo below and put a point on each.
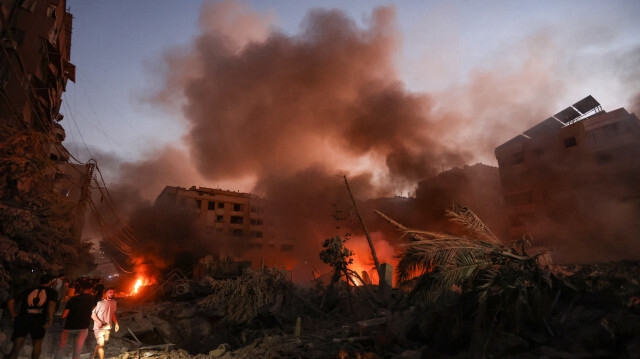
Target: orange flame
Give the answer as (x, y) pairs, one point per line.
(140, 282)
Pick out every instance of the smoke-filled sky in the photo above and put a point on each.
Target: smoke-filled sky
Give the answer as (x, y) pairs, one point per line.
(281, 97)
(224, 94)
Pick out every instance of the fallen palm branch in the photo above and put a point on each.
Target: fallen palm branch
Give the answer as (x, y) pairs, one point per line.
(509, 287)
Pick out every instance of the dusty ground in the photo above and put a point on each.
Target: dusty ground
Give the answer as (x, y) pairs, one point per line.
(600, 319)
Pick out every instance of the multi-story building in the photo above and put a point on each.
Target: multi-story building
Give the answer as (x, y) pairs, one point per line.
(242, 216)
(575, 176)
(35, 49)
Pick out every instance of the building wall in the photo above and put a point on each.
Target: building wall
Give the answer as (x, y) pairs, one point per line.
(243, 216)
(34, 61)
(476, 187)
(574, 184)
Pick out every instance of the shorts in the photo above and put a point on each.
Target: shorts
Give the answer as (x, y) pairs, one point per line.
(27, 324)
(102, 335)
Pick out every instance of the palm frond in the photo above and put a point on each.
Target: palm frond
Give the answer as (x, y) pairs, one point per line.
(464, 216)
(424, 255)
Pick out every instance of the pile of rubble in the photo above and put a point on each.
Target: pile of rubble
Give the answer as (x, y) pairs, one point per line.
(599, 318)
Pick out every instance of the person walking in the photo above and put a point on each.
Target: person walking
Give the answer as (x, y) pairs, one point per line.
(103, 315)
(36, 315)
(78, 318)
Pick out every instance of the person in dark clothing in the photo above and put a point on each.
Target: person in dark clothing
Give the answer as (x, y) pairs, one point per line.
(98, 289)
(78, 318)
(36, 315)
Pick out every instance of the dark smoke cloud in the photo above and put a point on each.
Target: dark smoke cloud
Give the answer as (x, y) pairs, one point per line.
(285, 115)
(328, 96)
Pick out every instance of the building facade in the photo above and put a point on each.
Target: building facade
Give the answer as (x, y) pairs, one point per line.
(571, 181)
(243, 217)
(34, 61)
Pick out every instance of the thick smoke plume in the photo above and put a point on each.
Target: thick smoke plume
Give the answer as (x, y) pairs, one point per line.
(284, 116)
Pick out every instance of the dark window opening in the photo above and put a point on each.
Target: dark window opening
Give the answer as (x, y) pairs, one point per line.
(237, 232)
(570, 142)
(603, 158)
(512, 159)
(611, 130)
(51, 11)
(538, 152)
(238, 207)
(18, 35)
(286, 248)
(220, 205)
(211, 206)
(258, 234)
(236, 219)
(219, 218)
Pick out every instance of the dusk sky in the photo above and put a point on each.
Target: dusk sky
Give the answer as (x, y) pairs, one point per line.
(478, 73)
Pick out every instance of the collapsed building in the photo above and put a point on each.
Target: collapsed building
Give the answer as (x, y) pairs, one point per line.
(571, 183)
(241, 217)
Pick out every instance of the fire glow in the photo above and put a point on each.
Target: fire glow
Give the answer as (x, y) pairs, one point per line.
(139, 283)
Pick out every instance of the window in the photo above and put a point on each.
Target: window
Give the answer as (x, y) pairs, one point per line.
(511, 159)
(198, 203)
(286, 248)
(238, 207)
(29, 5)
(237, 232)
(219, 218)
(258, 234)
(220, 205)
(538, 152)
(236, 219)
(570, 142)
(5, 75)
(603, 157)
(51, 11)
(211, 206)
(18, 35)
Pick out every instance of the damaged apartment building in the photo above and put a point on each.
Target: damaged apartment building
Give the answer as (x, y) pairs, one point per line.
(571, 182)
(243, 218)
(35, 50)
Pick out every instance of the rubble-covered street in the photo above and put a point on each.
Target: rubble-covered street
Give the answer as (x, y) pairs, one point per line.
(599, 317)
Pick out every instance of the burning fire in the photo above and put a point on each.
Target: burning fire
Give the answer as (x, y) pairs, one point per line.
(140, 282)
(359, 267)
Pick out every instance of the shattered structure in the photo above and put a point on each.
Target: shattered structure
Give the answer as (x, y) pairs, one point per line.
(242, 216)
(34, 68)
(575, 175)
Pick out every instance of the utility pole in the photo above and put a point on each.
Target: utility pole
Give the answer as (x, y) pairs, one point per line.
(366, 232)
(84, 196)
